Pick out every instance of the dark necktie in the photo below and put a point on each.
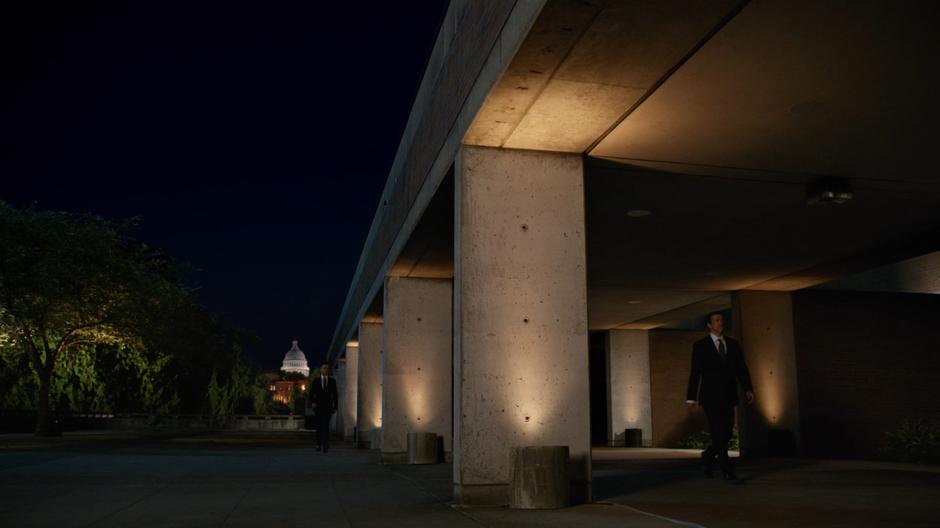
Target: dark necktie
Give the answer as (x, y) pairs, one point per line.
(721, 348)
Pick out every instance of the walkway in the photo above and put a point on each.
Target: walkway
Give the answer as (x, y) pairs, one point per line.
(277, 479)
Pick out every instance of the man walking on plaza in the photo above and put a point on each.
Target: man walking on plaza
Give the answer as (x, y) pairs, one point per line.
(324, 399)
(718, 362)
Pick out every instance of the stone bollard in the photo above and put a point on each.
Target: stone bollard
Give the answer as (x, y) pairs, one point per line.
(538, 477)
(422, 448)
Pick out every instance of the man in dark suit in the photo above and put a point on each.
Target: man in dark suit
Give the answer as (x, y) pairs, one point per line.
(718, 362)
(324, 399)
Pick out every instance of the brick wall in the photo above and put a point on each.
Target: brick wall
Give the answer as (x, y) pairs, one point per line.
(670, 362)
(865, 362)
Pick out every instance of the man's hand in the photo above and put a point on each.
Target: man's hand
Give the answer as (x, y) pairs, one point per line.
(750, 396)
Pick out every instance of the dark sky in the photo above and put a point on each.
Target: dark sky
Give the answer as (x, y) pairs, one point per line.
(252, 138)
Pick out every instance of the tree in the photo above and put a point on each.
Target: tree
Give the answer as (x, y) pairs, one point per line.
(72, 281)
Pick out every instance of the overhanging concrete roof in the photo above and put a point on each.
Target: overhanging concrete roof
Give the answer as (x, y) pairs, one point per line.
(475, 44)
(715, 115)
(680, 106)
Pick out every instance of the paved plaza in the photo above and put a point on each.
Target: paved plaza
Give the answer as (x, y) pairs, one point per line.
(278, 479)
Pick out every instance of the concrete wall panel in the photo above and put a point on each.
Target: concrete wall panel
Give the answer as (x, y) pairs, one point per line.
(867, 362)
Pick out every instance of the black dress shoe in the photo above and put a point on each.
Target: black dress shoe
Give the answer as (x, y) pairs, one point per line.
(318, 448)
(729, 476)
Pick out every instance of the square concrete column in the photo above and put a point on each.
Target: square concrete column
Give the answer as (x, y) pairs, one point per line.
(628, 387)
(764, 321)
(339, 374)
(369, 413)
(417, 363)
(520, 320)
(349, 392)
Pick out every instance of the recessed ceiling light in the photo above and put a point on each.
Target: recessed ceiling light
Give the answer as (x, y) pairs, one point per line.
(639, 213)
(634, 302)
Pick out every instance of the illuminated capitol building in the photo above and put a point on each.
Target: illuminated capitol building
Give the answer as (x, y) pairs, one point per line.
(293, 376)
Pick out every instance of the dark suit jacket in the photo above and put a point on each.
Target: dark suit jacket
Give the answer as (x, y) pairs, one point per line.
(719, 378)
(327, 400)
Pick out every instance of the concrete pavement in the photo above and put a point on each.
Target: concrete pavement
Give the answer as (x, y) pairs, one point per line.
(226, 479)
(278, 479)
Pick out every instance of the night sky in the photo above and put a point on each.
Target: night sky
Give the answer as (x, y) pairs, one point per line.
(252, 138)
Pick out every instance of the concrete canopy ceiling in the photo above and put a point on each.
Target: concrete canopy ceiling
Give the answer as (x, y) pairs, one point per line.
(714, 116)
(583, 64)
(429, 252)
(917, 275)
(709, 235)
(783, 92)
(805, 87)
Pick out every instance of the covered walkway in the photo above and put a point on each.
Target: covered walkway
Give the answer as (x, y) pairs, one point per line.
(277, 479)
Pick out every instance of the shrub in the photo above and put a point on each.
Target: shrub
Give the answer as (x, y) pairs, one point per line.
(915, 441)
(701, 440)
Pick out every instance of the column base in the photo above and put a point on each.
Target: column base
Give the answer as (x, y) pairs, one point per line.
(481, 494)
(498, 494)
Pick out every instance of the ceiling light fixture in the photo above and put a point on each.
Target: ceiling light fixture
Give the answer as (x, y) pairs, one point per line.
(828, 190)
(639, 213)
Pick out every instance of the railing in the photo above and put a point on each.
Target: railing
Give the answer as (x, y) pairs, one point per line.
(25, 421)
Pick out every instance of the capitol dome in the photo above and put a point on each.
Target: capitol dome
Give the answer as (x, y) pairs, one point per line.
(295, 361)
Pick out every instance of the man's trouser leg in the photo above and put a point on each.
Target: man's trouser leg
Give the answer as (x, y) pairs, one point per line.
(323, 429)
(720, 424)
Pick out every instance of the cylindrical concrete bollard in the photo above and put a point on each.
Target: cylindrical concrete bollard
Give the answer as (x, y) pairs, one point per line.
(538, 477)
(422, 448)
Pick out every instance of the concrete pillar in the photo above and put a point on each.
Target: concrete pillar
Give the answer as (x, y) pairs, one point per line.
(764, 322)
(520, 320)
(416, 363)
(369, 401)
(628, 386)
(339, 374)
(349, 392)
